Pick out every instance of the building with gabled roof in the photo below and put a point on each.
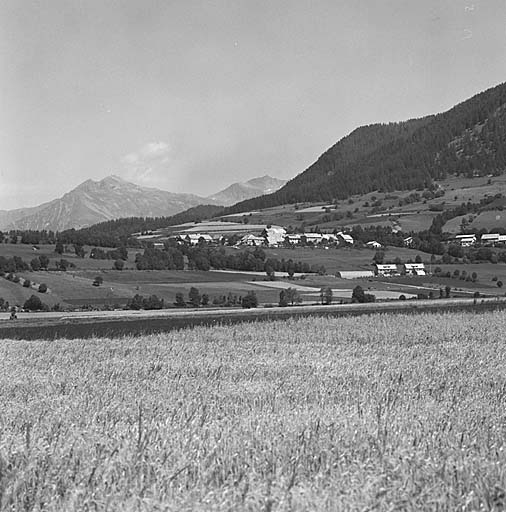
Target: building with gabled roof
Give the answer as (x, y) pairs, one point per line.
(346, 238)
(386, 269)
(252, 240)
(415, 269)
(466, 240)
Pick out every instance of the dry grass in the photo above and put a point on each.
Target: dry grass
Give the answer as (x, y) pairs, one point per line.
(381, 412)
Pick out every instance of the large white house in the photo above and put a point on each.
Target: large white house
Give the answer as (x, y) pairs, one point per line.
(252, 240)
(345, 237)
(194, 238)
(415, 269)
(387, 269)
(466, 240)
(493, 239)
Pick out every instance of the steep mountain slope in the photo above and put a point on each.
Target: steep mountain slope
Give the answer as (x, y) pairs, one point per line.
(98, 201)
(252, 188)
(10, 217)
(468, 139)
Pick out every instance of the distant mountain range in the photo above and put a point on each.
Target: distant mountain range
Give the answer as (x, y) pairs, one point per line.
(469, 139)
(242, 191)
(113, 198)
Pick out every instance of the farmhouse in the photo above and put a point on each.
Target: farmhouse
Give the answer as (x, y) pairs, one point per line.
(373, 244)
(386, 269)
(293, 239)
(492, 239)
(415, 269)
(489, 238)
(347, 239)
(465, 240)
(408, 242)
(329, 237)
(252, 240)
(313, 238)
(195, 238)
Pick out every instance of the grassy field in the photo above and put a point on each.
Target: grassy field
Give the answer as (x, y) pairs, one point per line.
(315, 414)
(27, 253)
(346, 258)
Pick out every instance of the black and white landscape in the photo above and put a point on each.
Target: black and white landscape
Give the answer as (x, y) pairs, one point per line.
(252, 255)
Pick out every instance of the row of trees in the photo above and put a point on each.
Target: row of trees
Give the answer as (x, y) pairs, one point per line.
(17, 264)
(195, 299)
(155, 259)
(42, 287)
(121, 253)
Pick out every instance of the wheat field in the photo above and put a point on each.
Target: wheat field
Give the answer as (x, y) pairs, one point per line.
(381, 412)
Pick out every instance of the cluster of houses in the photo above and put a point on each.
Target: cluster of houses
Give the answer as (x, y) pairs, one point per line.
(386, 270)
(408, 269)
(470, 240)
(275, 237)
(487, 240)
(272, 236)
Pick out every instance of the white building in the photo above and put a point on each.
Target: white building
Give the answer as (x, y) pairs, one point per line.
(348, 239)
(194, 238)
(252, 240)
(313, 238)
(415, 269)
(493, 239)
(388, 269)
(373, 244)
(466, 240)
(293, 239)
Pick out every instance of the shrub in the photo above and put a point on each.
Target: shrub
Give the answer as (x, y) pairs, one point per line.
(27, 283)
(98, 281)
(499, 284)
(118, 265)
(33, 304)
(326, 295)
(250, 300)
(194, 296)
(180, 302)
(358, 295)
(43, 288)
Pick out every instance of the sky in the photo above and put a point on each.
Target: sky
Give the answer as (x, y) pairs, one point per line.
(191, 96)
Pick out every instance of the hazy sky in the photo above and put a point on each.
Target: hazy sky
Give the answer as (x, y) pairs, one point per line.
(190, 96)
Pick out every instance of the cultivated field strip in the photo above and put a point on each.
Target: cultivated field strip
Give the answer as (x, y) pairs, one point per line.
(382, 412)
(119, 323)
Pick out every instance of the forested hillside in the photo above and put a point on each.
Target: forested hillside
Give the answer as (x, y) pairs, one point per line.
(468, 139)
